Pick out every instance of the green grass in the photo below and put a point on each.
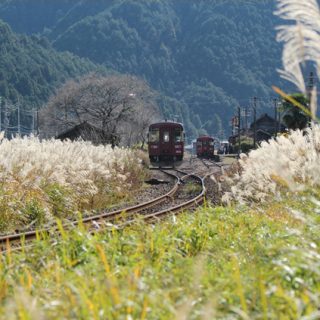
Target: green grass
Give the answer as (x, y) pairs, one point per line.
(222, 263)
(190, 188)
(228, 159)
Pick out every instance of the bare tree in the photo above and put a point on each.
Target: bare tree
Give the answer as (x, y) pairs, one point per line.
(117, 105)
(134, 130)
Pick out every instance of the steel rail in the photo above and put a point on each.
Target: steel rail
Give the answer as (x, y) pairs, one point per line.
(212, 162)
(199, 199)
(186, 205)
(6, 241)
(106, 216)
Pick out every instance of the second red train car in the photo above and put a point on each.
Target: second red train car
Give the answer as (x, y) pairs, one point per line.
(205, 147)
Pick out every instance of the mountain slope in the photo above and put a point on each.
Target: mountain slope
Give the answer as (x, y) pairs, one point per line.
(210, 56)
(30, 68)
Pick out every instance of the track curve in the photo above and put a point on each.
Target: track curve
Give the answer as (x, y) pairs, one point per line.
(100, 221)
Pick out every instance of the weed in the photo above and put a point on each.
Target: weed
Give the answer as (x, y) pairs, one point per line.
(227, 262)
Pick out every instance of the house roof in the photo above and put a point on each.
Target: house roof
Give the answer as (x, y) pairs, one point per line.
(265, 118)
(264, 132)
(76, 131)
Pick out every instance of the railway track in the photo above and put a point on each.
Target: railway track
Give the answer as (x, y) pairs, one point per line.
(181, 197)
(211, 163)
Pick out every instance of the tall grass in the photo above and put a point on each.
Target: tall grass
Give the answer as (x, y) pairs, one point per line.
(287, 164)
(301, 38)
(42, 180)
(212, 264)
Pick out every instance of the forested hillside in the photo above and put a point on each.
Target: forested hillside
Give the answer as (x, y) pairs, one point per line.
(205, 57)
(30, 68)
(30, 71)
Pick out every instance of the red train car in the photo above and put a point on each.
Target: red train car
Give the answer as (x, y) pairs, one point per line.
(166, 141)
(205, 147)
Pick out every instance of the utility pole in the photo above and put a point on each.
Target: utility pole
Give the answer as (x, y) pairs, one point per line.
(279, 117)
(234, 125)
(37, 121)
(5, 120)
(33, 122)
(254, 122)
(246, 118)
(0, 113)
(245, 115)
(19, 127)
(275, 103)
(311, 84)
(239, 130)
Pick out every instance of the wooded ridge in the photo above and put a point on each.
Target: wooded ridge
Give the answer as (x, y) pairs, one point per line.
(204, 57)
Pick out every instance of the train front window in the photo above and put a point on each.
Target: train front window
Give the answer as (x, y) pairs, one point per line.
(154, 135)
(178, 135)
(166, 136)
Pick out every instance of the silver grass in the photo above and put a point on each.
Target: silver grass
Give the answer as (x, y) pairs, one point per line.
(306, 11)
(286, 164)
(301, 39)
(79, 166)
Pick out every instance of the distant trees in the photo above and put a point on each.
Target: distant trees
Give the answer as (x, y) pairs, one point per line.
(295, 118)
(30, 68)
(121, 106)
(218, 127)
(180, 47)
